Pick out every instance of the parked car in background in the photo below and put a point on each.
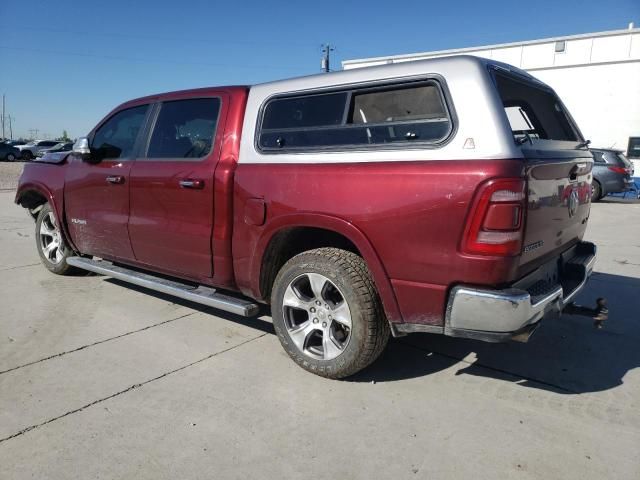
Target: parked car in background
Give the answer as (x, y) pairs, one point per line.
(31, 149)
(15, 143)
(58, 147)
(612, 173)
(9, 152)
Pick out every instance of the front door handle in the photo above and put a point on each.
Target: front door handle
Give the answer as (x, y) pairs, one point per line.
(192, 183)
(115, 179)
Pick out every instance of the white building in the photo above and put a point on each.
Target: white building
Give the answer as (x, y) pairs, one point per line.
(597, 75)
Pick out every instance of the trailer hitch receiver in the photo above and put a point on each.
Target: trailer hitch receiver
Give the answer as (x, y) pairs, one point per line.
(599, 314)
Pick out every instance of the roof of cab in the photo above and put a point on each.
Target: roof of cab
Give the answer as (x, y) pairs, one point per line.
(238, 89)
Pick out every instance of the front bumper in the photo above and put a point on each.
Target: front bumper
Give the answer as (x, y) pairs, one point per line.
(515, 312)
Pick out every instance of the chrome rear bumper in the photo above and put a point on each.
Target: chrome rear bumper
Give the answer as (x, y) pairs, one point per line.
(515, 312)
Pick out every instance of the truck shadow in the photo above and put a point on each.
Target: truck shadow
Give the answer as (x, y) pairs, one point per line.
(566, 356)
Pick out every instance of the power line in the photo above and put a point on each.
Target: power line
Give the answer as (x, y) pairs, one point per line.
(149, 60)
(208, 41)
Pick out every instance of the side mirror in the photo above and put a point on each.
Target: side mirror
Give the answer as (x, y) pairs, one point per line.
(81, 148)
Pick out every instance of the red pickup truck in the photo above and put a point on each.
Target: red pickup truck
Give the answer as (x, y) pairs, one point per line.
(446, 196)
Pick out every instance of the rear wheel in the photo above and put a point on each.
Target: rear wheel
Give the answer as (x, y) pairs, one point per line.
(596, 191)
(11, 157)
(327, 313)
(50, 243)
(27, 155)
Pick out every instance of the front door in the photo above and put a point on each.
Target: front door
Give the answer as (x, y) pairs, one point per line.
(172, 188)
(97, 191)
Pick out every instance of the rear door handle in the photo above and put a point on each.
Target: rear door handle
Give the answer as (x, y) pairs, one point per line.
(192, 183)
(116, 179)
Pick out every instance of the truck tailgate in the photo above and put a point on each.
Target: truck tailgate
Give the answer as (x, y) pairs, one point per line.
(558, 206)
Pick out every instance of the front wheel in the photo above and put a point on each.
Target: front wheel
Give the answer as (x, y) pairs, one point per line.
(11, 157)
(327, 312)
(50, 243)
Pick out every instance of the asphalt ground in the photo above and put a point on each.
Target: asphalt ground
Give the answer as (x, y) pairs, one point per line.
(101, 380)
(9, 175)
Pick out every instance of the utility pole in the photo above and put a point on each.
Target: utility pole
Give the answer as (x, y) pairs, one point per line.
(10, 127)
(326, 53)
(3, 137)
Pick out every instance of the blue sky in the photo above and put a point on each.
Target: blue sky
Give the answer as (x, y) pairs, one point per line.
(66, 67)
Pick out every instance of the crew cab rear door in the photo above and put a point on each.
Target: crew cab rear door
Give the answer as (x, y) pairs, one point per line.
(172, 185)
(96, 194)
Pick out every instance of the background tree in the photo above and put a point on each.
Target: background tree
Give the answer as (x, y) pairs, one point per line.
(64, 137)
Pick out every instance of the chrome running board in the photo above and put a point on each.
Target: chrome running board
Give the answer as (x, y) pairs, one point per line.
(203, 295)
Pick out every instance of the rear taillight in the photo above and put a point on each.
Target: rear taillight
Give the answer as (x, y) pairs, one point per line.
(621, 170)
(495, 222)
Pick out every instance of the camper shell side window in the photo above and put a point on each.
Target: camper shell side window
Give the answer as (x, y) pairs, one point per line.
(397, 115)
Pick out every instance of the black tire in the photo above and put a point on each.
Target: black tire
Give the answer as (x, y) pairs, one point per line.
(53, 263)
(369, 331)
(596, 191)
(10, 157)
(27, 155)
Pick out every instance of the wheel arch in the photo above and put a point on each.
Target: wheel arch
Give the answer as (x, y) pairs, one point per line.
(33, 195)
(600, 186)
(292, 234)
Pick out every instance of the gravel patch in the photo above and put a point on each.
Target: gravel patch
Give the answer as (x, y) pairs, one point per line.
(9, 174)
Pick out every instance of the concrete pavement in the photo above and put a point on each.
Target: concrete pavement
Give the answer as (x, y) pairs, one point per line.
(99, 380)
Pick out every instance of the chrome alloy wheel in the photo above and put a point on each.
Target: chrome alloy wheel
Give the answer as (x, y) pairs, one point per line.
(51, 239)
(317, 316)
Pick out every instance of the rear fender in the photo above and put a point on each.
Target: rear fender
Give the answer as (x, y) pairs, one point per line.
(342, 227)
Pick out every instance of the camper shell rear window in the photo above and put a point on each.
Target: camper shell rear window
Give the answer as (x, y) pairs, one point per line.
(534, 111)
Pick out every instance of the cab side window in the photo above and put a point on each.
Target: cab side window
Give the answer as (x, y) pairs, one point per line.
(116, 138)
(185, 129)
